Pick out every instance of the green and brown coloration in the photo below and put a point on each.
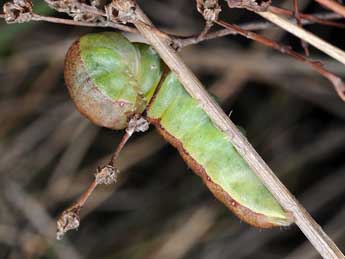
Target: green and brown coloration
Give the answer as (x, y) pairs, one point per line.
(110, 79)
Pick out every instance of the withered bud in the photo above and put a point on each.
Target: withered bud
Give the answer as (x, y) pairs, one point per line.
(121, 11)
(68, 220)
(137, 124)
(65, 6)
(209, 9)
(252, 5)
(18, 11)
(107, 175)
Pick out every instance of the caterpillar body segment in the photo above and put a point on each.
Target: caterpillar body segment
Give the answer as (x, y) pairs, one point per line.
(110, 79)
(207, 150)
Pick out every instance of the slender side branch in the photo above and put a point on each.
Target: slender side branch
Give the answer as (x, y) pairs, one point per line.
(316, 18)
(313, 40)
(70, 217)
(311, 229)
(338, 84)
(37, 17)
(255, 26)
(210, 10)
(183, 41)
(299, 23)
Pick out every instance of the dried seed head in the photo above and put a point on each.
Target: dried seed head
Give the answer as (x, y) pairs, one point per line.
(18, 11)
(68, 220)
(65, 6)
(121, 11)
(107, 175)
(209, 9)
(253, 5)
(78, 9)
(137, 124)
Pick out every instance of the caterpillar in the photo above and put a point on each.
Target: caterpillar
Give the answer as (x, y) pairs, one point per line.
(111, 79)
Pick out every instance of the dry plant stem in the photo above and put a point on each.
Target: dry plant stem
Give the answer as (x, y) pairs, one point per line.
(338, 84)
(37, 17)
(83, 198)
(313, 40)
(69, 218)
(310, 228)
(183, 42)
(120, 146)
(333, 5)
(316, 18)
(206, 29)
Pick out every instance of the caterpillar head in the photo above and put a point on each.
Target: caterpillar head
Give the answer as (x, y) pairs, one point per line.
(110, 79)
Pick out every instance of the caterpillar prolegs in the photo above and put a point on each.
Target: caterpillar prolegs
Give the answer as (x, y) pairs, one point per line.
(111, 79)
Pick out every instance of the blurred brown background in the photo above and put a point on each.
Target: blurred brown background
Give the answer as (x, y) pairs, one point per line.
(160, 209)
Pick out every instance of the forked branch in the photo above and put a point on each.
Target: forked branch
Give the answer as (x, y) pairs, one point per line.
(70, 218)
(312, 39)
(338, 84)
(310, 228)
(296, 13)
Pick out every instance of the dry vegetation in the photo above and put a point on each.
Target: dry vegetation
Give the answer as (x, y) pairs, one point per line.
(160, 209)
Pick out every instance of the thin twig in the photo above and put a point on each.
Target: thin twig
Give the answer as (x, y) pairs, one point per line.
(314, 18)
(333, 5)
(120, 146)
(298, 21)
(313, 40)
(205, 31)
(255, 26)
(210, 10)
(184, 41)
(338, 84)
(37, 17)
(311, 229)
(70, 217)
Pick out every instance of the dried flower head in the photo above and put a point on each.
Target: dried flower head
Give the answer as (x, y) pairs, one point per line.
(121, 11)
(137, 124)
(68, 220)
(78, 9)
(65, 6)
(253, 5)
(18, 11)
(107, 175)
(209, 9)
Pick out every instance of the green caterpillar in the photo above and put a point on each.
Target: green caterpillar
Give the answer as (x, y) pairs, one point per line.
(111, 79)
